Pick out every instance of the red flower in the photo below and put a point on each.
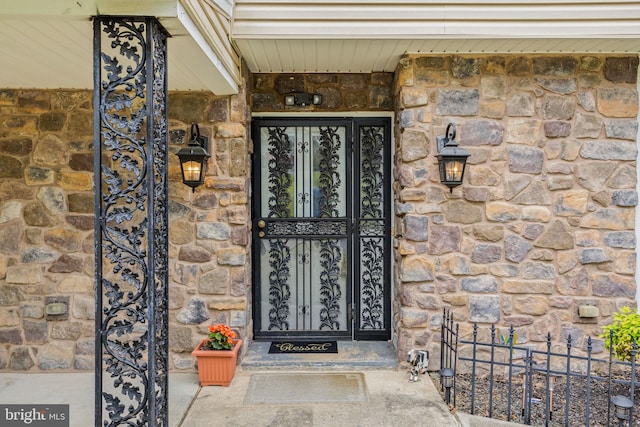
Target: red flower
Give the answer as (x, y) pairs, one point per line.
(220, 338)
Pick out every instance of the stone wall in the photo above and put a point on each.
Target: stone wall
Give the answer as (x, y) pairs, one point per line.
(545, 219)
(209, 245)
(340, 92)
(544, 222)
(46, 227)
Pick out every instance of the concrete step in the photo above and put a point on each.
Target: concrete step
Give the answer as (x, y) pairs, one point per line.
(351, 355)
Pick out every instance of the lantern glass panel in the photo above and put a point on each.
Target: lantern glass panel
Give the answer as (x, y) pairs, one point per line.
(446, 376)
(447, 381)
(191, 170)
(453, 170)
(622, 413)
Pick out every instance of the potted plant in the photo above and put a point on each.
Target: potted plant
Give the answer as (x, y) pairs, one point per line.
(217, 356)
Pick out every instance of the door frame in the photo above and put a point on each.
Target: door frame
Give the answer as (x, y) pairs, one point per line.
(353, 176)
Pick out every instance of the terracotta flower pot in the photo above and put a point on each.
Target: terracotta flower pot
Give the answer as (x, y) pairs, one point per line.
(216, 367)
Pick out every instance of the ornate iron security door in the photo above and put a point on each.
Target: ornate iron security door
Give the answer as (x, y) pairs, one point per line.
(311, 234)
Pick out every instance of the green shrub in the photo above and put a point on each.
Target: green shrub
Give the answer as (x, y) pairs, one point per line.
(626, 331)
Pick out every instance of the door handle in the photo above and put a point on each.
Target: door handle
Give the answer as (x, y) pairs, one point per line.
(262, 224)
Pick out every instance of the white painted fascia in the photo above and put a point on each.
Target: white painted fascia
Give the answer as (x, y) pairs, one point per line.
(419, 19)
(224, 6)
(221, 81)
(192, 46)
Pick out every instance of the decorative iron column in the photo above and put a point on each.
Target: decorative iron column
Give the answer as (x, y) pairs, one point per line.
(130, 122)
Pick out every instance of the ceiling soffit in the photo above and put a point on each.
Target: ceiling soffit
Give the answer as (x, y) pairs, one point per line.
(371, 35)
(48, 44)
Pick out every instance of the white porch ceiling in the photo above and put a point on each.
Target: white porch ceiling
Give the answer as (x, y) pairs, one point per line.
(48, 44)
(374, 55)
(371, 35)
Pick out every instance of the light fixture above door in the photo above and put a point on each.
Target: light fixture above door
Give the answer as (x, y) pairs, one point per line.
(302, 99)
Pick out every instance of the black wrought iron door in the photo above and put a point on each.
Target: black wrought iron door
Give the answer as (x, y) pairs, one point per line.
(319, 258)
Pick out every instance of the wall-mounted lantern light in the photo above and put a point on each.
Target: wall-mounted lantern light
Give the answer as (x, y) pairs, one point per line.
(193, 158)
(452, 159)
(302, 99)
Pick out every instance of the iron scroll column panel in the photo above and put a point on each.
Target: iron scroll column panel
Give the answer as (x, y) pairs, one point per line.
(131, 222)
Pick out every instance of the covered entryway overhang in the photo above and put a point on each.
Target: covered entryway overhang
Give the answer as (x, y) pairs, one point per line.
(282, 36)
(48, 44)
(124, 59)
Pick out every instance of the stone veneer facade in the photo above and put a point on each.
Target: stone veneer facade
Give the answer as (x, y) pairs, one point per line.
(545, 219)
(340, 92)
(47, 231)
(544, 222)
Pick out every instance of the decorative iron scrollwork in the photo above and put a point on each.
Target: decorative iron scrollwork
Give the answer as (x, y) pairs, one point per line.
(304, 198)
(280, 165)
(279, 290)
(329, 180)
(372, 310)
(160, 251)
(306, 228)
(372, 227)
(303, 258)
(303, 147)
(371, 224)
(131, 204)
(371, 172)
(304, 310)
(131, 207)
(330, 290)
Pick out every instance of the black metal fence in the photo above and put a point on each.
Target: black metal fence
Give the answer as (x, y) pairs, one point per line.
(493, 376)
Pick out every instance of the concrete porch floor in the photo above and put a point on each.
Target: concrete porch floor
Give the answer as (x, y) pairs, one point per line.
(392, 399)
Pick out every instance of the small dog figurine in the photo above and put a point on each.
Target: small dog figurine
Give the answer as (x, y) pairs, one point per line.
(419, 361)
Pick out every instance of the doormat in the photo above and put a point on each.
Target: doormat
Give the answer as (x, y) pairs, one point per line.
(272, 388)
(311, 347)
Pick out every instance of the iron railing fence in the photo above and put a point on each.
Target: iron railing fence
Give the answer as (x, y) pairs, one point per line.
(498, 378)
